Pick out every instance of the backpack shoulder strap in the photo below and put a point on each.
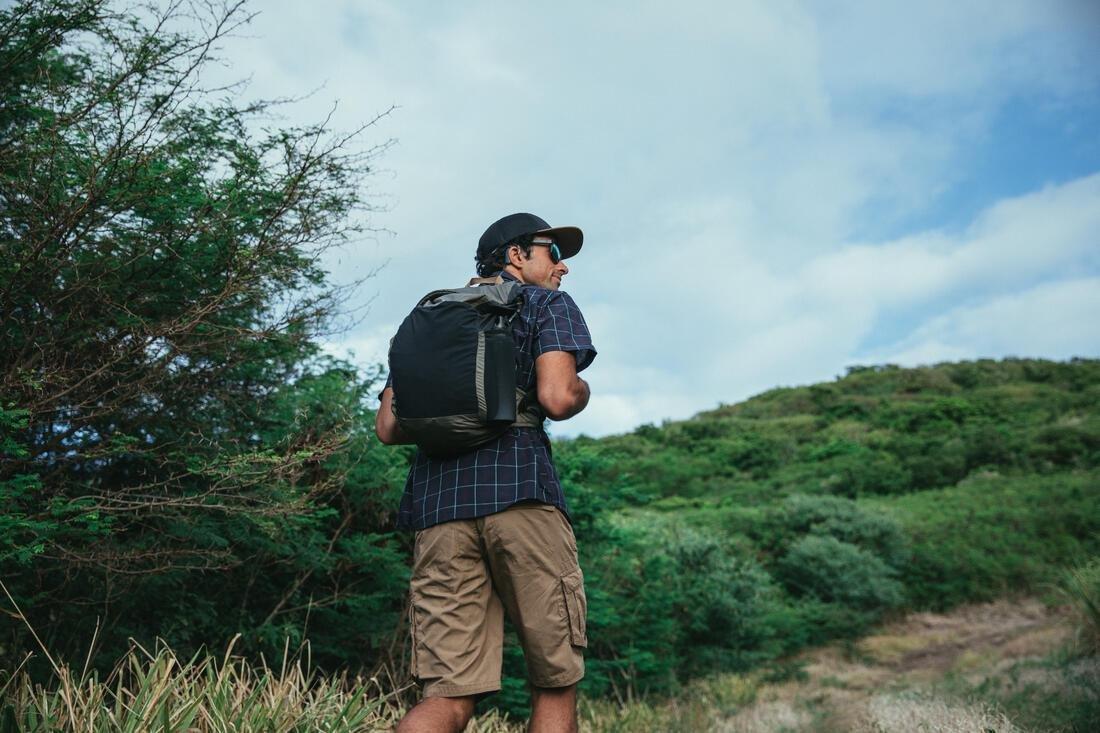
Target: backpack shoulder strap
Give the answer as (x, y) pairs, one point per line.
(484, 281)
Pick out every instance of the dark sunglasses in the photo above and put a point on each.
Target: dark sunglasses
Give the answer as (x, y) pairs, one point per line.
(555, 253)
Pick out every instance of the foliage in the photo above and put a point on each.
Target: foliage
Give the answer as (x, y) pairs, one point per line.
(181, 461)
(891, 488)
(179, 458)
(799, 515)
(991, 535)
(1082, 587)
(839, 572)
(160, 690)
(665, 601)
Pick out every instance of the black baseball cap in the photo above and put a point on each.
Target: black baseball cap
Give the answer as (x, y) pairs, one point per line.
(503, 231)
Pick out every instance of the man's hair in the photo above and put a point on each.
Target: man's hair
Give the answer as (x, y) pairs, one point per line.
(496, 260)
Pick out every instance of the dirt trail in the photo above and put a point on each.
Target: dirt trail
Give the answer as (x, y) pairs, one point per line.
(869, 685)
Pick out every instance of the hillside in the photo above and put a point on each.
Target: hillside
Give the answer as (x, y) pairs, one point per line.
(875, 431)
(728, 541)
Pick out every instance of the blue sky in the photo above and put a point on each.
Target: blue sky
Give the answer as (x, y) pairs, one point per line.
(770, 191)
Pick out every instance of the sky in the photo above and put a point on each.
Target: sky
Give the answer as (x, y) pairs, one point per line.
(770, 191)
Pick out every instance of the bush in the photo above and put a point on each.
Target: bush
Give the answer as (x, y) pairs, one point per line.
(833, 516)
(834, 571)
(994, 535)
(666, 603)
(1066, 445)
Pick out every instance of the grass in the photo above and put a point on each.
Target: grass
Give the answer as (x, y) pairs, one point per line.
(158, 691)
(1082, 589)
(902, 713)
(1004, 667)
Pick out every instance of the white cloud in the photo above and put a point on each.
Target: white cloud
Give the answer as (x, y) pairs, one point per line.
(737, 325)
(722, 158)
(1058, 320)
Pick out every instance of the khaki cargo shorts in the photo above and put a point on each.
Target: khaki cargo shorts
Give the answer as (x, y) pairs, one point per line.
(469, 572)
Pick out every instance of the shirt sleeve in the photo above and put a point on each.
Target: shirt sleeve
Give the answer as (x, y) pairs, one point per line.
(561, 327)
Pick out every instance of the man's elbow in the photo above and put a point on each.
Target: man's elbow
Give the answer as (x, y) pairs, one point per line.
(564, 404)
(387, 431)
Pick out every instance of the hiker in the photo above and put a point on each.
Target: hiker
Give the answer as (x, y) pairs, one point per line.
(493, 534)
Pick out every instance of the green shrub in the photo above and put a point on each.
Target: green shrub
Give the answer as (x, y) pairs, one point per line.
(666, 603)
(994, 535)
(839, 572)
(1065, 445)
(832, 516)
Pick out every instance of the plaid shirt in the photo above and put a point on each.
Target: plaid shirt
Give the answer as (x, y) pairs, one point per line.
(516, 466)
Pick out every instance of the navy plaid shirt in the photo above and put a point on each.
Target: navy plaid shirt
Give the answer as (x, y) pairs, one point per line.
(516, 466)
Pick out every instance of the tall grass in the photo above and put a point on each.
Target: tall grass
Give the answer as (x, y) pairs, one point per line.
(1082, 587)
(906, 713)
(158, 691)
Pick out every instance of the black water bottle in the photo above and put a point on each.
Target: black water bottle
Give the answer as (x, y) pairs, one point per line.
(500, 376)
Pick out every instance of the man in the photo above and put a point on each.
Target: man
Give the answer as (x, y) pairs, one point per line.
(493, 534)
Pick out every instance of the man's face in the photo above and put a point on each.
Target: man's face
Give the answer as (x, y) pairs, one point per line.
(540, 268)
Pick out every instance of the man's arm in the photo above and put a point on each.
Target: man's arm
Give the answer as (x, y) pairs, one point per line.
(385, 422)
(561, 392)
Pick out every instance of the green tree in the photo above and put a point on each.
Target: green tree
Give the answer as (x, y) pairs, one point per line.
(178, 458)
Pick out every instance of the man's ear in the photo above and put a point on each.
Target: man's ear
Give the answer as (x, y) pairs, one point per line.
(515, 255)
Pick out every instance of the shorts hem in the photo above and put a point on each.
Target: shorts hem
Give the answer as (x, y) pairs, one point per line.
(438, 690)
(561, 680)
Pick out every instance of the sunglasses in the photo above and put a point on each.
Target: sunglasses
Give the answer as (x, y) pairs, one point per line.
(555, 252)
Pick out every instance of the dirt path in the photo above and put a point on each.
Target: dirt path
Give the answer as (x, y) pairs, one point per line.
(883, 682)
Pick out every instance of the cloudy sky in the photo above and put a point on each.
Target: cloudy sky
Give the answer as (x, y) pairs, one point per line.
(770, 191)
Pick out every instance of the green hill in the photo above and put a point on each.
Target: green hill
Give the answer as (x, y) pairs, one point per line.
(744, 533)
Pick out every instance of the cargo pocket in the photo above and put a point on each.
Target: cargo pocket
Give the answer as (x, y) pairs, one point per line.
(576, 607)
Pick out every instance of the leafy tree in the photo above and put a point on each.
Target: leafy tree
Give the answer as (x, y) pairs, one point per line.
(176, 450)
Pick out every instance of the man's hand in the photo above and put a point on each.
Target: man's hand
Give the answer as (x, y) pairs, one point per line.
(385, 422)
(561, 392)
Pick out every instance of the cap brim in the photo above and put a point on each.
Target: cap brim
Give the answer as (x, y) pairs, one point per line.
(569, 239)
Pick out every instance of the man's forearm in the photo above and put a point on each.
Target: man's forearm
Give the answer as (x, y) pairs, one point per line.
(386, 426)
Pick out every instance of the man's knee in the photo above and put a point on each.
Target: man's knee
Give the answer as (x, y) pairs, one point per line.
(553, 709)
(438, 714)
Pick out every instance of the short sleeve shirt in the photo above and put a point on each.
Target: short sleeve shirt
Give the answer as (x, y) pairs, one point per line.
(516, 466)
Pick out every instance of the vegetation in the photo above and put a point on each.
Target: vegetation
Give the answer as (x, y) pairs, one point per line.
(814, 512)
(182, 463)
(179, 458)
(1082, 587)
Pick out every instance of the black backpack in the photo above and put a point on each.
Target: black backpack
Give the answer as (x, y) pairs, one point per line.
(454, 364)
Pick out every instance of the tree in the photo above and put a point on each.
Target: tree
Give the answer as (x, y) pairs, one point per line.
(167, 419)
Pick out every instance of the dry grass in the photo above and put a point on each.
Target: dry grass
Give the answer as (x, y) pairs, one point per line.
(880, 685)
(159, 691)
(1082, 588)
(915, 713)
(886, 681)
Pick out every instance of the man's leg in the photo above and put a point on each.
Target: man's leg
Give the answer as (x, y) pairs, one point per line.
(439, 715)
(533, 555)
(553, 710)
(457, 627)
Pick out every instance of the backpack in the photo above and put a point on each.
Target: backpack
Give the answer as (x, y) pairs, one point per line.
(454, 364)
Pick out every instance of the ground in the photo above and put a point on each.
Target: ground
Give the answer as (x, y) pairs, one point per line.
(927, 672)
